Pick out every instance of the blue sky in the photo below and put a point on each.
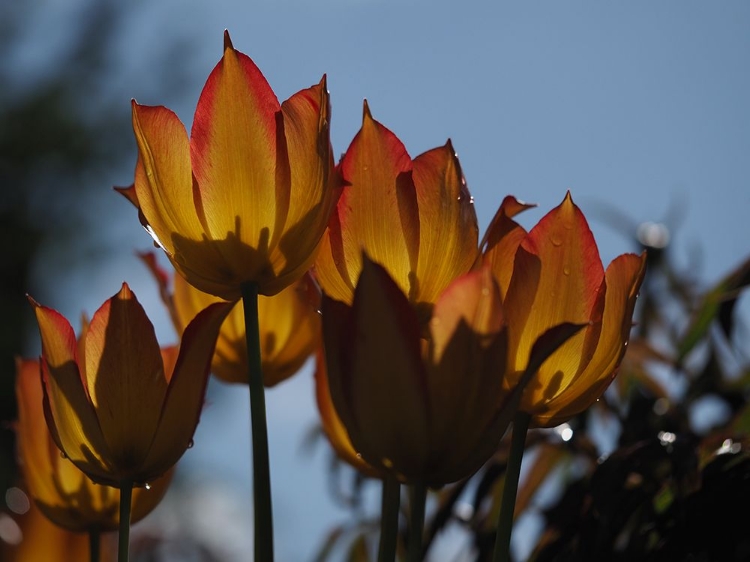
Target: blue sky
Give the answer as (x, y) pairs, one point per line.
(639, 106)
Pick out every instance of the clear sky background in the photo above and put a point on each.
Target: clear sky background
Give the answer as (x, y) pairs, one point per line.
(639, 106)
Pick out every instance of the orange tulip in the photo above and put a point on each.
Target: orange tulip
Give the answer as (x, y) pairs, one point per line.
(246, 199)
(64, 494)
(424, 410)
(289, 326)
(121, 409)
(41, 540)
(554, 274)
(415, 217)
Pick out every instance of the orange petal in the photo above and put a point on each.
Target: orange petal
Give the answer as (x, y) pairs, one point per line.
(187, 388)
(70, 416)
(502, 239)
(556, 277)
(377, 212)
(623, 280)
(233, 153)
(126, 377)
(163, 182)
(448, 230)
(306, 184)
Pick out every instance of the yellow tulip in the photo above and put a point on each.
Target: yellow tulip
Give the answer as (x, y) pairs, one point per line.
(247, 197)
(414, 217)
(550, 275)
(122, 410)
(289, 324)
(64, 494)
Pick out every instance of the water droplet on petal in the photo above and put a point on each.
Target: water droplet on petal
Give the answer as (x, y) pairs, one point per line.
(556, 241)
(147, 486)
(63, 455)
(190, 445)
(566, 270)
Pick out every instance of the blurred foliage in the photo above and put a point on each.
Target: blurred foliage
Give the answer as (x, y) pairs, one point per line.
(657, 469)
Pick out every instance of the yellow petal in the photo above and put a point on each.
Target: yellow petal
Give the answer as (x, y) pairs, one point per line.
(233, 149)
(376, 212)
(623, 280)
(307, 188)
(448, 230)
(70, 416)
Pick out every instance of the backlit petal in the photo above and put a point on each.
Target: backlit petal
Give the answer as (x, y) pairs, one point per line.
(233, 154)
(502, 239)
(126, 378)
(448, 230)
(377, 212)
(306, 184)
(623, 279)
(187, 388)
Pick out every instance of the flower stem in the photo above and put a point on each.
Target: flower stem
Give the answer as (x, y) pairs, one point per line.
(418, 499)
(510, 488)
(126, 497)
(95, 540)
(261, 472)
(390, 508)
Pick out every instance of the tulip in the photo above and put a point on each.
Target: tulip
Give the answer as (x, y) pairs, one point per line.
(64, 494)
(122, 410)
(555, 275)
(246, 199)
(289, 325)
(428, 410)
(414, 217)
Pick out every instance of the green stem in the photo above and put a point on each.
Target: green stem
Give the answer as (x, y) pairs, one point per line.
(390, 508)
(95, 540)
(510, 488)
(126, 497)
(261, 472)
(418, 499)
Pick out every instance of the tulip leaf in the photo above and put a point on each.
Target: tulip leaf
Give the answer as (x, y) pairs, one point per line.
(718, 303)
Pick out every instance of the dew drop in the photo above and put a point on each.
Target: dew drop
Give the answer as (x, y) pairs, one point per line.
(556, 242)
(63, 455)
(566, 270)
(471, 200)
(190, 445)
(147, 486)
(359, 455)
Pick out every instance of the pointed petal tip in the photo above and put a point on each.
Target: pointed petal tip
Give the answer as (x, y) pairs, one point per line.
(227, 41)
(366, 114)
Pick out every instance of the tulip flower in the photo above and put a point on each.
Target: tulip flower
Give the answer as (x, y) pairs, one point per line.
(430, 410)
(415, 217)
(64, 494)
(239, 207)
(121, 409)
(424, 411)
(247, 197)
(550, 275)
(289, 325)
